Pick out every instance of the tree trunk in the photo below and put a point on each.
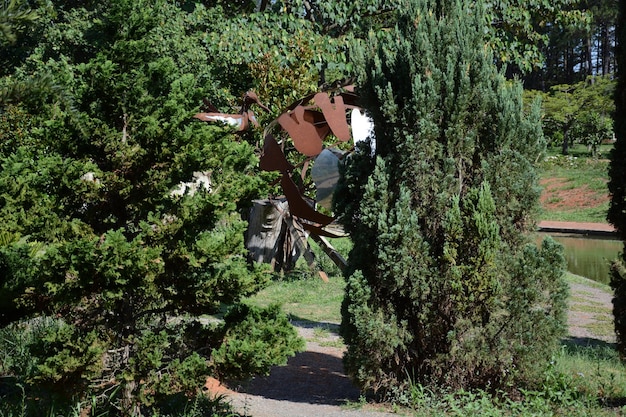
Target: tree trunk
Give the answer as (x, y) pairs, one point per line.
(588, 60)
(565, 145)
(606, 50)
(130, 405)
(268, 239)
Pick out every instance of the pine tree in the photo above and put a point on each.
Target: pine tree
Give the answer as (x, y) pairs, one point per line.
(617, 187)
(95, 244)
(443, 285)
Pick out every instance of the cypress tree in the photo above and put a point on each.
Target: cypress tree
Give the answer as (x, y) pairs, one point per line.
(617, 187)
(121, 217)
(444, 285)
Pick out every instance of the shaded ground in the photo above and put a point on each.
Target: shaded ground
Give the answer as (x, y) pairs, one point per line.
(314, 384)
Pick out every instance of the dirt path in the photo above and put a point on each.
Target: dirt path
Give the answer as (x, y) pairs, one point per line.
(590, 318)
(313, 383)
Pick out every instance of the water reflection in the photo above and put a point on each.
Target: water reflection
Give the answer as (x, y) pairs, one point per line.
(588, 256)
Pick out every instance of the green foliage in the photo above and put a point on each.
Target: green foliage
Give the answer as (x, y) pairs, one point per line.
(618, 283)
(278, 55)
(518, 31)
(579, 113)
(617, 187)
(254, 338)
(70, 358)
(522, 29)
(442, 283)
(579, 381)
(341, 18)
(14, 16)
(91, 233)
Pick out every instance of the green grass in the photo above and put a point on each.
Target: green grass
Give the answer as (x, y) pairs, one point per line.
(309, 299)
(588, 307)
(303, 295)
(590, 174)
(581, 380)
(577, 279)
(593, 215)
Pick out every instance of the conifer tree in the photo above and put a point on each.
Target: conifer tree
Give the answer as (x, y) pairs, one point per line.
(617, 187)
(134, 269)
(443, 284)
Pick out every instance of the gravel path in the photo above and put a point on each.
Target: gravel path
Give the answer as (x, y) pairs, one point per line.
(590, 318)
(313, 383)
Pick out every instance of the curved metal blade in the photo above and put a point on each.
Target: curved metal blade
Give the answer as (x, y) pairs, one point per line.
(325, 174)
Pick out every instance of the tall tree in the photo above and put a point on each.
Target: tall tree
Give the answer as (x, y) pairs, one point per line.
(121, 217)
(521, 30)
(577, 45)
(443, 285)
(604, 16)
(617, 186)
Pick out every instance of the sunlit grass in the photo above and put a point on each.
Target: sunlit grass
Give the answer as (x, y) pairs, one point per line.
(303, 295)
(579, 215)
(576, 172)
(309, 299)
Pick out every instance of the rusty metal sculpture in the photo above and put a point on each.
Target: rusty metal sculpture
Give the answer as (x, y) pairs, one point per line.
(310, 122)
(240, 121)
(323, 127)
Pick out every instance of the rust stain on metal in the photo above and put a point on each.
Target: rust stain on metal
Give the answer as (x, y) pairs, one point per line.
(272, 157)
(306, 137)
(308, 122)
(298, 206)
(335, 114)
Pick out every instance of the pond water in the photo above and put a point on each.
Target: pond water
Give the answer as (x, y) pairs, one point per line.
(588, 256)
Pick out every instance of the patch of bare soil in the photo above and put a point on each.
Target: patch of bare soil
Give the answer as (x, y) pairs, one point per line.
(557, 194)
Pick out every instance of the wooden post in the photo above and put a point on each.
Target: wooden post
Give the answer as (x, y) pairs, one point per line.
(267, 237)
(274, 237)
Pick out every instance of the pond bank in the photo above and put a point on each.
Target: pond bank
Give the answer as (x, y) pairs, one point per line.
(590, 229)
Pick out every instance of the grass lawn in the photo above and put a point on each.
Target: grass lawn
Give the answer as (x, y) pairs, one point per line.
(575, 187)
(582, 380)
(309, 299)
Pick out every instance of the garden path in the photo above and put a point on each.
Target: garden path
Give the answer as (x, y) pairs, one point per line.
(313, 383)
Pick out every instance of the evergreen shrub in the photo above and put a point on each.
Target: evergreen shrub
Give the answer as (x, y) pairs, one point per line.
(444, 284)
(617, 188)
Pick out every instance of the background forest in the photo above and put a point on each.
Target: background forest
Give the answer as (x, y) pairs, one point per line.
(113, 279)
